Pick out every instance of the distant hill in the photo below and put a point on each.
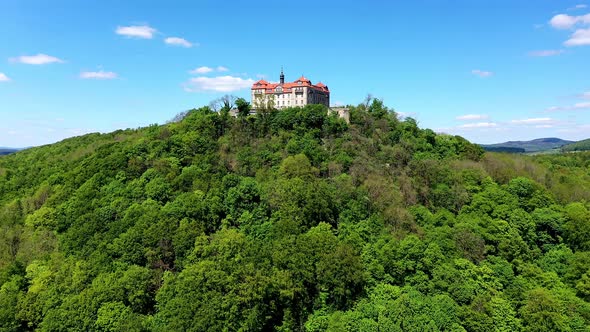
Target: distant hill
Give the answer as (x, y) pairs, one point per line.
(506, 149)
(536, 145)
(583, 145)
(5, 151)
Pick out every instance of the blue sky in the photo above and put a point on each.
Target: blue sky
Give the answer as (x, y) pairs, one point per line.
(490, 71)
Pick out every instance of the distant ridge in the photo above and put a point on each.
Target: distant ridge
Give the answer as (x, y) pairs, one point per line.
(5, 151)
(536, 145)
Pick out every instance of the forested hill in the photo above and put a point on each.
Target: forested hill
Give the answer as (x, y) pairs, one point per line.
(583, 145)
(292, 221)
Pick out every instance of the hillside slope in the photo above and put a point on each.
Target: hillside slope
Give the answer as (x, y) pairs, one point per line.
(583, 145)
(291, 221)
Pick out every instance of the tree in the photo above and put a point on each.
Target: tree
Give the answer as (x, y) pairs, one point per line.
(297, 166)
(9, 293)
(223, 104)
(577, 227)
(243, 107)
(264, 103)
(542, 312)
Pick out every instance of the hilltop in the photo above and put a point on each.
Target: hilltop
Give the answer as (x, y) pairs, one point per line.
(291, 221)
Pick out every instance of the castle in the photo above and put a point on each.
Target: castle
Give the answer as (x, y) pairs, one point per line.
(281, 95)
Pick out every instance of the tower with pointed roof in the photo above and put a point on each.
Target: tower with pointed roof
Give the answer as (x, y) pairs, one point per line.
(282, 77)
(280, 95)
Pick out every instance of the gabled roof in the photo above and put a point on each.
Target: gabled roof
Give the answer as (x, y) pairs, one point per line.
(303, 79)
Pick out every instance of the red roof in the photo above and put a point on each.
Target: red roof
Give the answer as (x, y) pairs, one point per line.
(261, 82)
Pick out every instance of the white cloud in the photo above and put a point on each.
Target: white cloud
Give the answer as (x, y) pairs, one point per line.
(177, 41)
(472, 117)
(202, 70)
(574, 107)
(579, 106)
(534, 121)
(205, 70)
(478, 125)
(579, 37)
(580, 6)
(482, 73)
(544, 53)
(544, 126)
(136, 31)
(585, 95)
(563, 21)
(217, 84)
(39, 59)
(4, 78)
(98, 75)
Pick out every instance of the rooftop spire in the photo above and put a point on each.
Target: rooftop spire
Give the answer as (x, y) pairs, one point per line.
(282, 77)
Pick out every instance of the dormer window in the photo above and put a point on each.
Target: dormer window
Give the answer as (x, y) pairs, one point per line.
(299, 83)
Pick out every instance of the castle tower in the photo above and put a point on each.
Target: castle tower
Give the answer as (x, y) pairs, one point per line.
(282, 77)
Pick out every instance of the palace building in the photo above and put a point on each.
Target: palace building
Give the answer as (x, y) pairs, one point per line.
(280, 95)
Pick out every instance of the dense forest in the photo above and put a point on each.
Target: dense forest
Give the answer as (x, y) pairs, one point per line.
(292, 220)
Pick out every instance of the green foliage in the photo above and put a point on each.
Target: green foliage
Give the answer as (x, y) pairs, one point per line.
(297, 166)
(577, 227)
(291, 220)
(243, 107)
(390, 308)
(583, 145)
